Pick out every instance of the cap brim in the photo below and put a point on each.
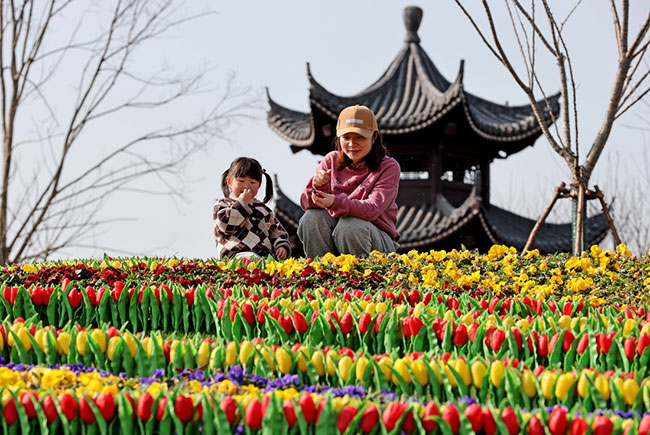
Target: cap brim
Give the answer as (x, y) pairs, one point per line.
(362, 131)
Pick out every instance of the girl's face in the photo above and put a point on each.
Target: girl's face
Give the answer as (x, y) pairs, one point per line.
(355, 146)
(238, 184)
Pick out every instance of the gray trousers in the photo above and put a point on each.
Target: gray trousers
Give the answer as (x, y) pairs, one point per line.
(320, 233)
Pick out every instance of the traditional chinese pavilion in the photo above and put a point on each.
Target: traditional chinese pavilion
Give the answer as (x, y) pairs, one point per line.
(444, 139)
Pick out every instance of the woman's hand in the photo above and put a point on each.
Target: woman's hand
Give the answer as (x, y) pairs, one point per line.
(281, 253)
(321, 178)
(322, 199)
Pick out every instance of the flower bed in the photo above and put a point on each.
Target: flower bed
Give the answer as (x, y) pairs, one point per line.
(446, 342)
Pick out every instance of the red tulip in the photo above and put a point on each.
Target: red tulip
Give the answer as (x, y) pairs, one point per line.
(602, 425)
(92, 295)
(644, 341)
(459, 336)
(131, 403)
(161, 410)
(229, 406)
(489, 425)
(644, 426)
(27, 403)
(286, 323)
(474, 415)
(369, 419)
(106, 405)
(582, 344)
(289, 412)
(510, 420)
(346, 323)
(10, 413)
(629, 346)
(184, 407)
(578, 426)
(408, 424)
(451, 415)
(74, 297)
(346, 415)
(542, 346)
(68, 406)
(308, 407)
(49, 409)
(254, 415)
(498, 337)
(535, 427)
(391, 415)
(299, 322)
(428, 423)
(145, 402)
(518, 339)
(85, 411)
(364, 322)
(567, 341)
(557, 422)
(190, 296)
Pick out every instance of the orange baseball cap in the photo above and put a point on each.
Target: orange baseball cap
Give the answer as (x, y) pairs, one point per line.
(357, 119)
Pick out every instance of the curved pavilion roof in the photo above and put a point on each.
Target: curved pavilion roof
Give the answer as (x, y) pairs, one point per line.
(410, 96)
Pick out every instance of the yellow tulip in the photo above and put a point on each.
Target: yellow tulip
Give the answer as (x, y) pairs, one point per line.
(449, 375)
(63, 343)
(528, 384)
(400, 367)
(266, 354)
(497, 371)
(100, 337)
(381, 307)
(330, 362)
(345, 363)
(547, 383)
(436, 369)
(628, 327)
(523, 325)
(40, 338)
(563, 385)
(360, 370)
(564, 322)
(81, 342)
(478, 373)
(646, 328)
(602, 385)
(245, 350)
(110, 349)
(284, 360)
(463, 370)
(385, 363)
(630, 391)
(130, 343)
(300, 358)
(583, 384)
(420, 372)
(203, 354)
(2, 343)
(317, 361)
(231, 353)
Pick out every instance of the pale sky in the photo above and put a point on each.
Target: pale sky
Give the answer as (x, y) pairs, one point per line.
(349, 45)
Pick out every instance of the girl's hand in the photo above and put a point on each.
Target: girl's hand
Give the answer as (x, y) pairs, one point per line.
(322, 199)
(246, 195)
(281, 253)
(321, 178)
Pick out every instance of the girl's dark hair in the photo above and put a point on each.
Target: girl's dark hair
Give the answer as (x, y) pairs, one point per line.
(372, 159)
(246, 167)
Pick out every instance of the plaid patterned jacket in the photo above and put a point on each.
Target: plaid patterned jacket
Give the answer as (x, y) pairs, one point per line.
(241, 227)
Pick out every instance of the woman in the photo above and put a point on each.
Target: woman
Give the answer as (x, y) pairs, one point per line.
(350, 202)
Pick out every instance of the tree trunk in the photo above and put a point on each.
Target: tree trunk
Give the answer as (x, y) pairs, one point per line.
(579, 219)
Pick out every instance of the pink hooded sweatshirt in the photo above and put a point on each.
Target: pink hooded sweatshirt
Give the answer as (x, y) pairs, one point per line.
(360, 193)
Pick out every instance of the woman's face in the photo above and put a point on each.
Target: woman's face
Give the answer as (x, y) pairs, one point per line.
(355, 146)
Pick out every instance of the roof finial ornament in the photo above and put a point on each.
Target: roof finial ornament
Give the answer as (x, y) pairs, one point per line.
(412, 17)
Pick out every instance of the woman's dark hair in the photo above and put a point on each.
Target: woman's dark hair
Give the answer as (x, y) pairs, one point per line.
(372, 159)
(246, 167)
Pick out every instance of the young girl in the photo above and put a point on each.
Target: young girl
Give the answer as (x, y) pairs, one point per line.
(350, 202)
(244, 226)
